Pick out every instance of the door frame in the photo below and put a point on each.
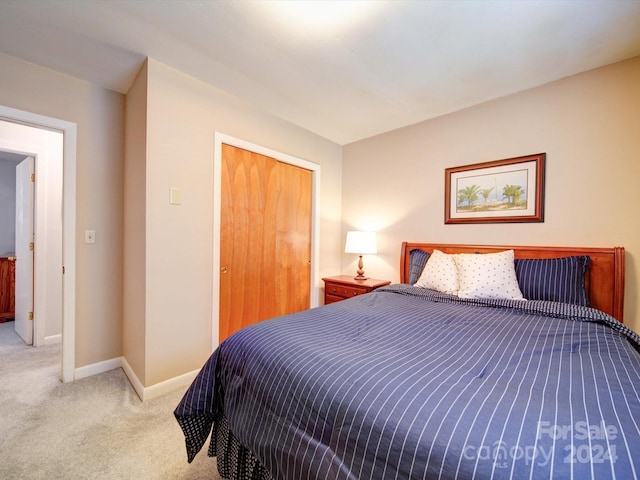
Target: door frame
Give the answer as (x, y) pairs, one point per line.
(69, 139)
(314, 281)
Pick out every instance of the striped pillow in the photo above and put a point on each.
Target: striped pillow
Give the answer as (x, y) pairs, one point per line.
(417, 260)
(554, 279)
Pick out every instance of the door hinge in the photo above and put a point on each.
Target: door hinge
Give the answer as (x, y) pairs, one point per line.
(30, 315)
(63, 269)
(31, 246)
(33, 177)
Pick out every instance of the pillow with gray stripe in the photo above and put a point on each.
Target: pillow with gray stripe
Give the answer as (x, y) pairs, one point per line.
(554, 279)
(417, 261)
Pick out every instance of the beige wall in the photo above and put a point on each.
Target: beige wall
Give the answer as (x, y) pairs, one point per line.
(170, 124)
(134, 256)
(183, 115)
(99, 114)
(589, 127)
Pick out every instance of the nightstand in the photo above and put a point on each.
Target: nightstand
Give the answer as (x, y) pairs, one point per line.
(345, 286)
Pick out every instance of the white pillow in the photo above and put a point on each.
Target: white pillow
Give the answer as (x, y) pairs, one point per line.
(439, 273)
(488, 275)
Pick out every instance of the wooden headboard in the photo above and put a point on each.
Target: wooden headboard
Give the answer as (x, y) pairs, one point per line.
(604, 281)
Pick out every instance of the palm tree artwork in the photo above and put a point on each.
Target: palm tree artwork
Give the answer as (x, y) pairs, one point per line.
(499, 191)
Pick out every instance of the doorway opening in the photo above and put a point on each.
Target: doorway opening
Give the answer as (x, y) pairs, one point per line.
(17, 181)
(52, 142)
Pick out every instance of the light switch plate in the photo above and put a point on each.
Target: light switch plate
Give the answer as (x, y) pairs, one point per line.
(175, 196)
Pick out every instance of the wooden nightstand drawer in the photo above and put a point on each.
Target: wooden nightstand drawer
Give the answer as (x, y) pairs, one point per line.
(343, 290)
(345, 286)
(328, 298)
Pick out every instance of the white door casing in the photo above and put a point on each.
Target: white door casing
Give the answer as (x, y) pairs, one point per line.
(24, 250)
(69, 133)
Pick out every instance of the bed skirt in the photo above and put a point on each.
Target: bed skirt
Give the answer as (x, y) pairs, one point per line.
(235, 461)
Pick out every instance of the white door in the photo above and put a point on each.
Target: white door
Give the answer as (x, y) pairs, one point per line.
(24, 250)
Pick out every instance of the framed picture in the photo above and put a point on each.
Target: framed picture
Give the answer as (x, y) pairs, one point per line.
(501, 191)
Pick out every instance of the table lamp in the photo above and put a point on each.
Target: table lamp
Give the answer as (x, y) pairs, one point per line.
(361, 243)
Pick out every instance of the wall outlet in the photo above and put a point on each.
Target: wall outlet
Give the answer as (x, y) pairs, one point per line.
(89, 236)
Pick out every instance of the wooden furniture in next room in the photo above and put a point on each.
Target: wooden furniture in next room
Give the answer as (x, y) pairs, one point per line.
(7, 286)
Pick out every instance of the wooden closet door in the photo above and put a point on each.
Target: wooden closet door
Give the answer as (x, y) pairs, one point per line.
(293, 239)
(265, 239)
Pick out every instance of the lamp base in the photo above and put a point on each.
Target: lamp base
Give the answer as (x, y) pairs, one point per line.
(360, 270)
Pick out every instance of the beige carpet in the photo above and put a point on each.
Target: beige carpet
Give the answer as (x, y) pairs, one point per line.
(94, 428)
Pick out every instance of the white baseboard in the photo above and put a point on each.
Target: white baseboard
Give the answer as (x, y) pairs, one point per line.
(169, 385)
(133, 379)
(96, 368)
(53, 339)
(145, 393)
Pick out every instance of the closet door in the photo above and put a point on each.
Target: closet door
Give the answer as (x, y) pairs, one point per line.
(265, 239)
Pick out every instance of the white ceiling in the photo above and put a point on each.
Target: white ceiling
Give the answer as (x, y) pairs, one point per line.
(371, 67)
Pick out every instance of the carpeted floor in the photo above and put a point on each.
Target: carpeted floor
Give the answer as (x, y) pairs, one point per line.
(94, 428)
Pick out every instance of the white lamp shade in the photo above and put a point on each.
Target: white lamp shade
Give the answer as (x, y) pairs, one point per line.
(361, 243)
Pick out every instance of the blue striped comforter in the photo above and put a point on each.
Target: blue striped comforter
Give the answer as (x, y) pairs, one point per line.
(407, 383)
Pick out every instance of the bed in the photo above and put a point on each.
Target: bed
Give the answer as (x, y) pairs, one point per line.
(410, 381)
